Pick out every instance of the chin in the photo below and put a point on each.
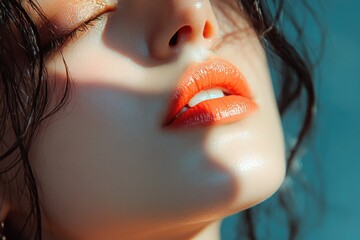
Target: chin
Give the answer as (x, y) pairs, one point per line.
(252, 153)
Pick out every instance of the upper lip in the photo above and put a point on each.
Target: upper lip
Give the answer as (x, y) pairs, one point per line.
(215, 73)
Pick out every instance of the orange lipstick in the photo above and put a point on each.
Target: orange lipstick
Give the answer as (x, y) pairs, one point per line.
(197, 102)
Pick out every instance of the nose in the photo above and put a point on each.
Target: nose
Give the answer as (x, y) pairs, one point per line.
(183, 22)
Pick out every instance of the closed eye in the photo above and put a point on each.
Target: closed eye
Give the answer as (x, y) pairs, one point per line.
(58, 37)
(59, 40)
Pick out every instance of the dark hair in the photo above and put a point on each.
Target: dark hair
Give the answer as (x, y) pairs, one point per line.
(24, 98)
(25, 90)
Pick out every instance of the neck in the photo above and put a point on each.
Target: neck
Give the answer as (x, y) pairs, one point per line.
(204, 231)
(210, 232)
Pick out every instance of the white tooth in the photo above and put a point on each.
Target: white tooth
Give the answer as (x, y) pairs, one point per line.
(206, 95)
(184, 109)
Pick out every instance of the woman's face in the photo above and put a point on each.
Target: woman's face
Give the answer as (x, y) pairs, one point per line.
(107, 165)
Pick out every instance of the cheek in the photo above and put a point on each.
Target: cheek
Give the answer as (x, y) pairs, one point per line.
(104, 157)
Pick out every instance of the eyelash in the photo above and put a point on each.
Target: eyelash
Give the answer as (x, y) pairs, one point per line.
(57, 42)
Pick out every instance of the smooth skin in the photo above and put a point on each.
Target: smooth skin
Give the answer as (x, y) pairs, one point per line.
(105, 167)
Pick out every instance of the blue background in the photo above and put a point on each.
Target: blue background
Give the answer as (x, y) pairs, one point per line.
(335, 141)
(337, 133)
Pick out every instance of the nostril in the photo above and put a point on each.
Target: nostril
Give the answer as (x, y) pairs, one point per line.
(182, 34)
(174, 39)
(208, 30)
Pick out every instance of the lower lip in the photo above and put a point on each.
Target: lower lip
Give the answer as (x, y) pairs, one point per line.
(222, 110)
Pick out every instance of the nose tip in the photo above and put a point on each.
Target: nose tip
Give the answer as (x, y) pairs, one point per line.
(186, 22)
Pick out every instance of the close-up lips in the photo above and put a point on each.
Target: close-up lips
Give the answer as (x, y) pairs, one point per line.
(209, 93)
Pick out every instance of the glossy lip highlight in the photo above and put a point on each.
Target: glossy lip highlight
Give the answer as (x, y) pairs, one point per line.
(216, 73)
